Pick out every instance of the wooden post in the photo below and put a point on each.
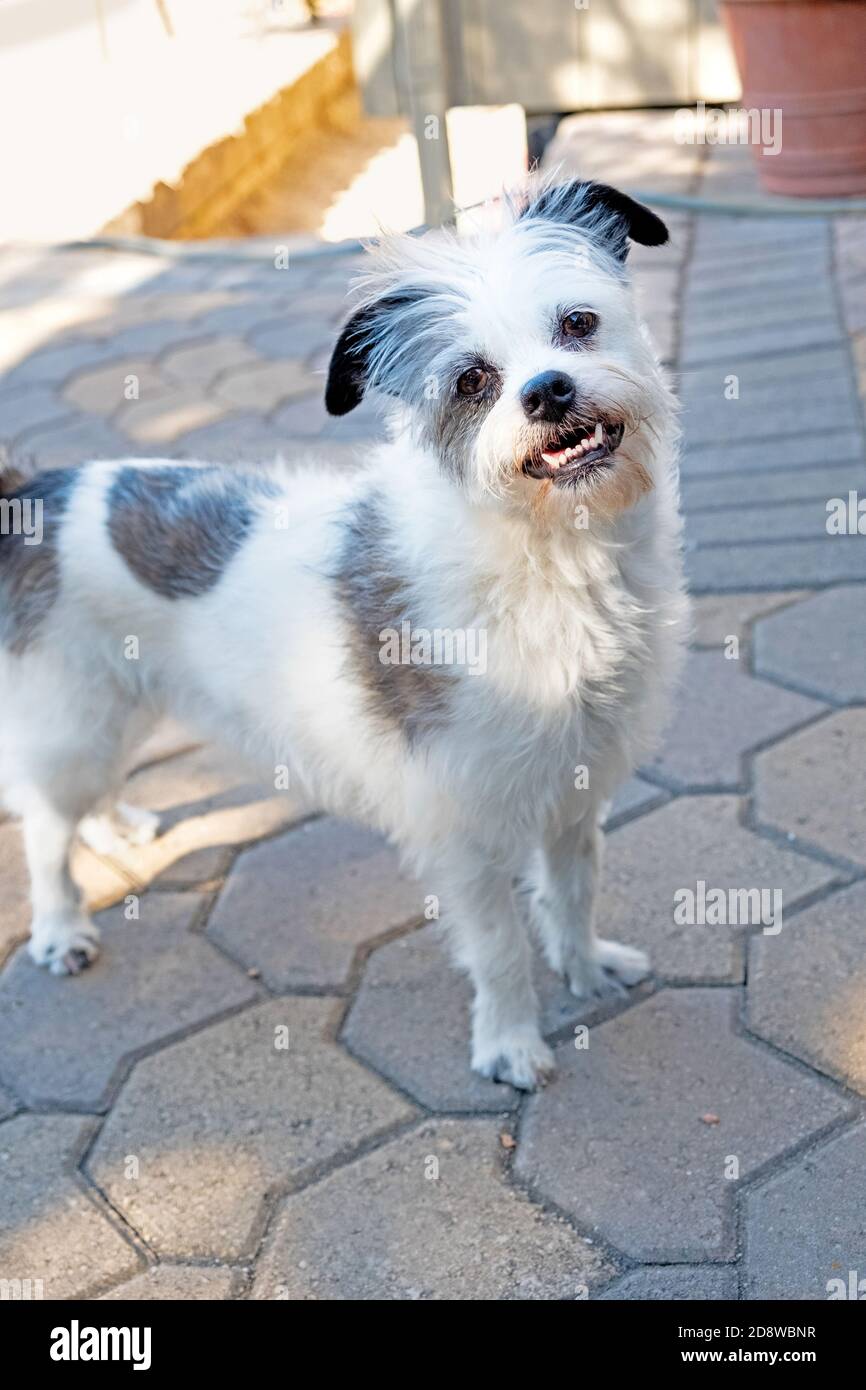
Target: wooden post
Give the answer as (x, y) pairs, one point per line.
(420, 34)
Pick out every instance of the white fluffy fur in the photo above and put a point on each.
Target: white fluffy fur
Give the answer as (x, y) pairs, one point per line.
(583, 629)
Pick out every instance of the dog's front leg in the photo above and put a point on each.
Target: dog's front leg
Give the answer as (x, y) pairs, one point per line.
(490, 942)
(566, 887)
(62, 937)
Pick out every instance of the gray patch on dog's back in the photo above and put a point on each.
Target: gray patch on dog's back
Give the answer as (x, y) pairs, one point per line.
(30, 573)
(177, 528)
(413, 697)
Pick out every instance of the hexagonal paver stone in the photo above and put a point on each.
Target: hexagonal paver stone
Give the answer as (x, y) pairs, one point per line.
(818, 645)
(50, 1229)
(637, 1135)
(222, 1120)
(722, 713)
(201, 361)
(410, 1020)
(291, 336)
(814, 785)
(807, 986)
(299, 906)
(718, 617)
(105, 389)
(153, 337)
(179, 1283)
(30, 407)
(55, 362)
(264, 385)
(674, 1282)
(62, 1040)
(237, 315)
(806, 1227)
(438, 1220)
(157, 420)
(671, 850)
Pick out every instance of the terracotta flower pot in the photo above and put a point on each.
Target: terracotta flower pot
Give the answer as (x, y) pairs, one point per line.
(806, 58)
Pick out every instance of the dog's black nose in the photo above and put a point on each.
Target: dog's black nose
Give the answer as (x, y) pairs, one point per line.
(547, 396)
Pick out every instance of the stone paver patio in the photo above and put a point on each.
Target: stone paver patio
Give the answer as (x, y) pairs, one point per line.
(261, 1089)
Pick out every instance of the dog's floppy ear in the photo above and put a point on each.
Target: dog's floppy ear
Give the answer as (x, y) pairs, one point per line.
(602, 210)
(349, 371)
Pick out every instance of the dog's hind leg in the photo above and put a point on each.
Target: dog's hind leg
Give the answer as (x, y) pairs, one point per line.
(564, 902)
(490, 942)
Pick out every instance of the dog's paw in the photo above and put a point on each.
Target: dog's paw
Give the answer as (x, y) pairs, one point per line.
(114, 831)
(521, 1058)
(137, 826)
(611, 968)
(66, 946)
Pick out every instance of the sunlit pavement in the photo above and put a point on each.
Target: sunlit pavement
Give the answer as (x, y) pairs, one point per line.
(160, 1141)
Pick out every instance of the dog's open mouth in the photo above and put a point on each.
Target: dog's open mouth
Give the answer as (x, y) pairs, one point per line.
(573, 454)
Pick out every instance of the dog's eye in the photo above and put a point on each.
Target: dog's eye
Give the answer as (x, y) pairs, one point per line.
(579, 325)
(473, 381)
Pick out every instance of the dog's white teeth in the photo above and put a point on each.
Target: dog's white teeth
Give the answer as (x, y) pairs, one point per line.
(575, 451)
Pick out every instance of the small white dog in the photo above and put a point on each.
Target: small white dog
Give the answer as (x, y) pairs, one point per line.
(524, 509)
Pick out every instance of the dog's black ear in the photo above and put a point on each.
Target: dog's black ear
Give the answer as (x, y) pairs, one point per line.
(601, 209)
(347, 373)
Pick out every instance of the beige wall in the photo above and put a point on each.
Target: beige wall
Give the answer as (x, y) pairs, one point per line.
(556, 55)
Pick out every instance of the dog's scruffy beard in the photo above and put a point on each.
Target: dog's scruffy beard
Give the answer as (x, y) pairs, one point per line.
(598, 457)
